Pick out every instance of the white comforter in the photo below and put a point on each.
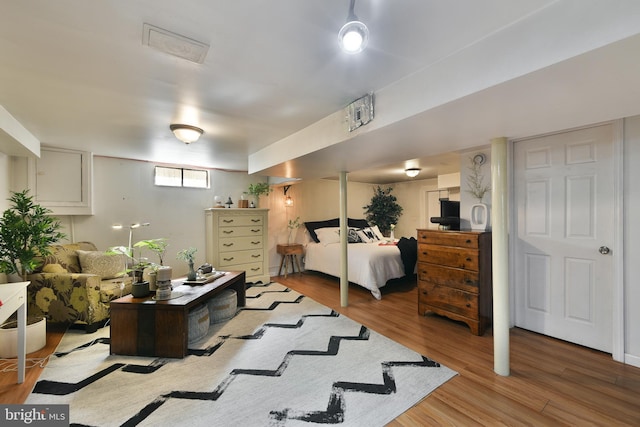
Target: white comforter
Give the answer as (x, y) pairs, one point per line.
(370, 265)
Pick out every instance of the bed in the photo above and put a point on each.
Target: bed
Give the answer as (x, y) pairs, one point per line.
(372, 260)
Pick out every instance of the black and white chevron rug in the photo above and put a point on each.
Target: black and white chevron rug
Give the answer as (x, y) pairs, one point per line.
(284, 360)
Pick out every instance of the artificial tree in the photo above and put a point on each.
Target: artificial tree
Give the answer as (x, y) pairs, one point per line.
(383, 210)
(26, 232)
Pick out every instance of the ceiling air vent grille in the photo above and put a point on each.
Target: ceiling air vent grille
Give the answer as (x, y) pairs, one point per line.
(174, 44)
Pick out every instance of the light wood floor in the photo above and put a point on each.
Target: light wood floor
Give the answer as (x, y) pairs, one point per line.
(552, 382)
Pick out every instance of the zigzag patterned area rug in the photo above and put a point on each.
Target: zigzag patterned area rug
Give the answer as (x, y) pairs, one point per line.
(284, 360)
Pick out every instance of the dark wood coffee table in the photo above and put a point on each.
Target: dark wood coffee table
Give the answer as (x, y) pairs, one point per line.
(146, 327)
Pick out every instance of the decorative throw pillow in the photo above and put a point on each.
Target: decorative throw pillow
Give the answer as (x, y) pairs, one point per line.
(328, 235)
(367, 235)
(352, 236)
(107, 266)
(376, 230)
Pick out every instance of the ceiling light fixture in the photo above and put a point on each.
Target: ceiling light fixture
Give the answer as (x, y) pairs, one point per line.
(412, 172)
(186, 133)
(354, 35)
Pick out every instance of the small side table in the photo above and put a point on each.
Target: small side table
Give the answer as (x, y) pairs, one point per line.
(289, 254)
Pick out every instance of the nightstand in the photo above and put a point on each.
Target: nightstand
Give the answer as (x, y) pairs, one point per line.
(289, 253)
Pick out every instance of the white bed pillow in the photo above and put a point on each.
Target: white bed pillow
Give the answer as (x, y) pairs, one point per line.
(328, 235)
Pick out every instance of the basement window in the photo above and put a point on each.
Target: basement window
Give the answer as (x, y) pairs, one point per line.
(181, 177)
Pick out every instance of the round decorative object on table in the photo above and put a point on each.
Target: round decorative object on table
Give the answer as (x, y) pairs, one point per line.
(223, 306)
(198, 323)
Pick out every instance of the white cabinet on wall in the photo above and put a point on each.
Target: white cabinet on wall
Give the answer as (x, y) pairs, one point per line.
(61, 180)
(237, 240)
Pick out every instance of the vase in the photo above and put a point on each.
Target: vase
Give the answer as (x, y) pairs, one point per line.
(479, 217)
(392, 236)
(191, 275)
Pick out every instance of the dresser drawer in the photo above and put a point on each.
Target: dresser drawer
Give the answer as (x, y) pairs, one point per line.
(233, 258)
(240, 243)
(255, 230)
(449, 238)
(465, 280)
(449, 299)
(449, 256)
(239, 220)
(252, 270)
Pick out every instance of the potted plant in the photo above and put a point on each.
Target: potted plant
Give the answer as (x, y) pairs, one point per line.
(26, 232)
(259, 189)
(383, 209)
(188, 255)
(292, 226)
(159, 247)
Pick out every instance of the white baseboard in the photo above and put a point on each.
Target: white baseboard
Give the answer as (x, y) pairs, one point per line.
(632, 360)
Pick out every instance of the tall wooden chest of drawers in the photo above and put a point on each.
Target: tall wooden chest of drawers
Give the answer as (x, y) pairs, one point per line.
(454, 276)
(237, 239)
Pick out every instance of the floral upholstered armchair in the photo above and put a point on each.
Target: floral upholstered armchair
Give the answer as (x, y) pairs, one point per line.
(76, 283)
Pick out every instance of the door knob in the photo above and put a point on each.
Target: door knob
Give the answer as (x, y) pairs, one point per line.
(604, 250)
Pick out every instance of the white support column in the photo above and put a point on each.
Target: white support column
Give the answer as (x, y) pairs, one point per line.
(500, 256)
(344, 257)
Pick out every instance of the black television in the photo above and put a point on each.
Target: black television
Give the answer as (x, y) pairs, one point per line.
(449, 218)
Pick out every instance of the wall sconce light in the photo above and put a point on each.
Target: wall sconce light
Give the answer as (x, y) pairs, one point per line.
(412, 172)
(288, 201)
(354, 35)
(186, 133)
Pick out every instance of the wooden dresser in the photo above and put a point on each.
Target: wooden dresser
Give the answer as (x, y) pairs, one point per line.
(236, 239)
(454, 276)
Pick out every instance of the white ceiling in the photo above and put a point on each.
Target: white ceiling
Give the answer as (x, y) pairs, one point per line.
(76, 74)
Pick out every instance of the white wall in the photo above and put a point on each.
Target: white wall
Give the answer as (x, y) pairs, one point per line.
(4, 181)
(124, 194)
(632, 239)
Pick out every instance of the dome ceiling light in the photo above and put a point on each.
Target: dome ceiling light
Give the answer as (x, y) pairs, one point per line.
(412, 172)
(186, 133)
(354, 35)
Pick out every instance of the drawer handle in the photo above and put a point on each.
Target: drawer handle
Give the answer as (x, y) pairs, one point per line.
(256, 231)
(255, 269)
(468, 240)
(228, 259)
(425, 253)
(228, 231)
(255, 220)
(469, 281)
(227, 244)
(469, 259)
(227, 221)
(255, 256)
(256, 243)
(468, 305)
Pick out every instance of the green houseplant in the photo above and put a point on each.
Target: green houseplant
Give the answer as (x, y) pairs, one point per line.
(189, 256)
(383, 210)
(26, 232)
(258, 189)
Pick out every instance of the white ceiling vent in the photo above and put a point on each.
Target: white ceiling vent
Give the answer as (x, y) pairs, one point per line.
(174, 44)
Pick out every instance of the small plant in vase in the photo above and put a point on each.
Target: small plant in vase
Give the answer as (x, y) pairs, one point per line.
(479, 215)
(188, 255)
(292, 226)
(259, 189)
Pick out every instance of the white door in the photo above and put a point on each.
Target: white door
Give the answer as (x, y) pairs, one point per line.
(564, 195)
